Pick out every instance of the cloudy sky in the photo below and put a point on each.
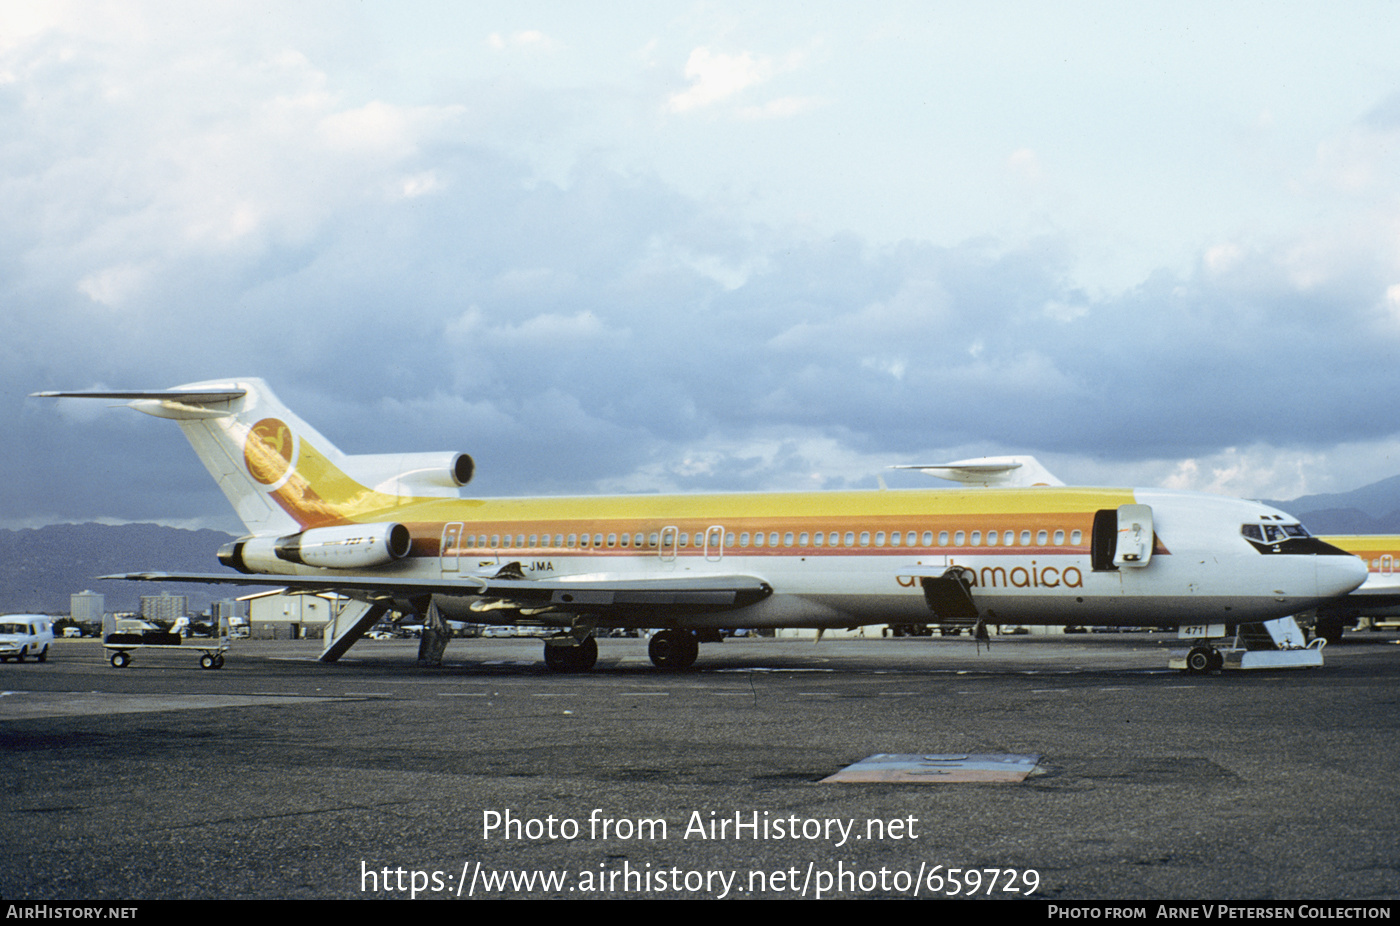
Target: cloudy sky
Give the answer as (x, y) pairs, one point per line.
(692, 246)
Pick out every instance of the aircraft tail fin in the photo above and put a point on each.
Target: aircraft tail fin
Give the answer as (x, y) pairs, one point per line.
(279, 473)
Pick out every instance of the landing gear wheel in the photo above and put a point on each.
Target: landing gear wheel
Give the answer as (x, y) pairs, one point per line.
(579, 657)
(1202, 660)
(1330, 629)
(206, 661)
(121, 660)
(673, 649)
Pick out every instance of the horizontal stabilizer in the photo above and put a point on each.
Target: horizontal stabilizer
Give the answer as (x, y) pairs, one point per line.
(178, 404)
(190, 396)
(999, 472)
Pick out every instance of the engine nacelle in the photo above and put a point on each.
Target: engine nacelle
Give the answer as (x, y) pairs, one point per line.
(411, 474)
(348, 546)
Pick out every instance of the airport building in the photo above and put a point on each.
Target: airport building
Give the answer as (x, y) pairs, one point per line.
(86, 607)
(275, 616)
(164, 608)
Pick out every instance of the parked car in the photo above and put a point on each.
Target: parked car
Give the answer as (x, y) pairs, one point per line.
(24, 635)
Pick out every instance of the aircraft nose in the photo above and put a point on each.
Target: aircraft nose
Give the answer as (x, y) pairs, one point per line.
(1337, 575)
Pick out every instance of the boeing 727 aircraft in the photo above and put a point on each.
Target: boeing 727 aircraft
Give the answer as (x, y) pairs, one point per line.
(395, 532)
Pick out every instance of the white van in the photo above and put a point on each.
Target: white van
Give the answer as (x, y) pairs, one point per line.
(25, 635)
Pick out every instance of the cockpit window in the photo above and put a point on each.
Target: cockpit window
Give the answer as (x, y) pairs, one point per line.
(1273, 533)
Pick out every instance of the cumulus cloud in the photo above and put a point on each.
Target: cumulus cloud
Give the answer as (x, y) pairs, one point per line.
(718, 76)
(526, 38)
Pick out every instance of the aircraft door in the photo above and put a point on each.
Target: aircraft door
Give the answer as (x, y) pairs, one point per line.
(714, 543)
(666, 549)
(1122, 538)
(450, 553)
(1135, 536)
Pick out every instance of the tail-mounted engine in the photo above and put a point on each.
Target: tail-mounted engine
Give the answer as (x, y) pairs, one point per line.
(412, 474)
(349, 546)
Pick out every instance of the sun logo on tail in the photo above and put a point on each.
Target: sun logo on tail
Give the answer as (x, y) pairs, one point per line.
(268, 451)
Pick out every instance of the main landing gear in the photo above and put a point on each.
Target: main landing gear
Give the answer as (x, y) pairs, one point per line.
(668, 649)
(673, 649)
(565, 654)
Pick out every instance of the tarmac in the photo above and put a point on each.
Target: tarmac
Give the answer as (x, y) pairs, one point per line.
(280, 777)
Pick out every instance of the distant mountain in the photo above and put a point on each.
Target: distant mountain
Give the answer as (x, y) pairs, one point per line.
(40, 569)
(1371, 509)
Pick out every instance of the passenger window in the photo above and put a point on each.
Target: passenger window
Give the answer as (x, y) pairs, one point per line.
(959, 538)
(928, 538)
(976, 538)
(942, 538)
(1041, 537)
(802, 541)
(787, 538)
(1059, 538)
(879, 538)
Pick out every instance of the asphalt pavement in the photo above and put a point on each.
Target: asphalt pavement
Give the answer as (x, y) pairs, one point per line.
(279, 777)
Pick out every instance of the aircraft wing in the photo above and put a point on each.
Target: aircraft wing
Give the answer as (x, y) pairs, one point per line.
(612, 596)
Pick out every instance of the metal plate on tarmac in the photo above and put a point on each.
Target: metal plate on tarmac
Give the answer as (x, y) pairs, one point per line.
(937, 769)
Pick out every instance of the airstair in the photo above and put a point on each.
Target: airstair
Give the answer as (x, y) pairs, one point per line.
(1276, 644)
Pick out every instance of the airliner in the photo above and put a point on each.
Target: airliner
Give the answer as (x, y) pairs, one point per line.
(1378, 596)
(398, 532)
